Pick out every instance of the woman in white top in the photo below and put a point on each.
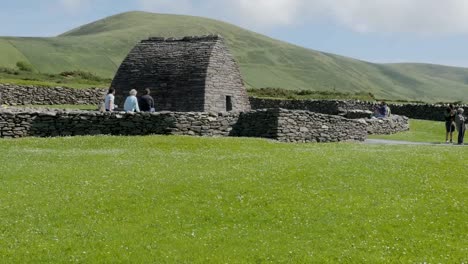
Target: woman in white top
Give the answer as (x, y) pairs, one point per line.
(109, 102)
(131, 103)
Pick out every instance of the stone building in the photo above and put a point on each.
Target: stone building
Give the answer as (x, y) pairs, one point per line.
(188, 74)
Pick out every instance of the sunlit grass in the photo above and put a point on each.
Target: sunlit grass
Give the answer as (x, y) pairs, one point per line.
(46, 83)
(168, 199)
(420, 131)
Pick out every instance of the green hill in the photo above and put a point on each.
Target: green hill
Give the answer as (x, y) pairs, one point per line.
(99, 47)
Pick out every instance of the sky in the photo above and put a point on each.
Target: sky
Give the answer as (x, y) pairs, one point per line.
(387, 31)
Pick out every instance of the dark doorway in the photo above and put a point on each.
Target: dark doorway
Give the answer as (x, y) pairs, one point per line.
(228, 103)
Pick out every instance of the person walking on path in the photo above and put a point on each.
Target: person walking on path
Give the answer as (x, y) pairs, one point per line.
(449, 116)
(131, 102)
(146, 102)
(460, 124)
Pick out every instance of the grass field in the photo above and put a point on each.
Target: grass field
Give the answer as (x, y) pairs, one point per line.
(168, 199)
(18, 77)
(100, 47)
(420, 131)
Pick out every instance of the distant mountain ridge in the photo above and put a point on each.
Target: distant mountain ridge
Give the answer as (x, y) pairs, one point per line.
(100, 47)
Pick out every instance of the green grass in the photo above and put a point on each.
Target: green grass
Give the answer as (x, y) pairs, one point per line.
(420, 131)
(100, 47)
(15, 76)
(277, 93)
(168, 199)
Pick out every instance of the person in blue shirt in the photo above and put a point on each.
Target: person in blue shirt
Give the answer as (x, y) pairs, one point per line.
(131, 103)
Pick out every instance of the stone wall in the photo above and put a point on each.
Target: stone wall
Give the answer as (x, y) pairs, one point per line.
(433, 112)
(385, 126)
(306, 126)
(24, 95)
(29, 122)
(187, 74)
(36, 95)
(330, 107)
(280, 124)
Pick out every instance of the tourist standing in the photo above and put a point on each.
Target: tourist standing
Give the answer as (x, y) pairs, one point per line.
(460, 124)
(381, 110)
(449, 117)
(387, 110)
(109, 104)
(146, 102)
(131, 102)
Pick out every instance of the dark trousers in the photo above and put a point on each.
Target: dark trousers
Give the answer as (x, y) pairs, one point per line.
(461, 133)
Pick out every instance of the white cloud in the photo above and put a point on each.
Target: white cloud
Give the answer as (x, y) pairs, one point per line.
(408, 16)
(269, 12)
(384, 16)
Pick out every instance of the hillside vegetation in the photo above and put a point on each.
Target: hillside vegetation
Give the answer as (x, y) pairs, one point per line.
(100, 47)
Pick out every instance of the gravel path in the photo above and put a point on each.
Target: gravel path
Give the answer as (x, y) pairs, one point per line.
(399, 142)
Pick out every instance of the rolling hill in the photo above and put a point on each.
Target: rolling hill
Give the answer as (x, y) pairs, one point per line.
(99, 47)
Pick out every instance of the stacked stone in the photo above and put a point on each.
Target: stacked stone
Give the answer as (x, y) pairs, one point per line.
(280, 124)
(37, 95)
(24, 95)
(299, 126)
(305, 126)
(15, 125)
(46, 123)
(187, 74)
(386, 126)
(357, 114)
(350, 108)
(258, 123)
(330, 107)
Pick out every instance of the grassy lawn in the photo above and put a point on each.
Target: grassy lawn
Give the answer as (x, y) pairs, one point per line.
(168, 199)
(420, 131)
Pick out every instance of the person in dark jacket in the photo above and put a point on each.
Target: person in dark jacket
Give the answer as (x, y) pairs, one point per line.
(449, 116)
(146, 102)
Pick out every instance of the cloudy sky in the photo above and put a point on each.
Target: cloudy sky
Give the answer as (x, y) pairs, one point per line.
(431, 31)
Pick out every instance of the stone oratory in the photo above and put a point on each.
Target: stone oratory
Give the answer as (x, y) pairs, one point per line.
(189, 74)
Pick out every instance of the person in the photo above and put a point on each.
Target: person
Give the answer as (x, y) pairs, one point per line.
(131, 102)
(146, 102)
(109, 101)
(449, 117)
(387, 110)
(381, 110)
(460, 124)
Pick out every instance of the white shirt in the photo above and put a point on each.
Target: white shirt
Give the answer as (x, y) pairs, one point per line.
(107, 103)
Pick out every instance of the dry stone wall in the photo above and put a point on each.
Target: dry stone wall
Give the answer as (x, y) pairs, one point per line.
(280, 124)
(37, 95)
(385, 126)
(433, 112)
(187, 74)
(306, 126)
